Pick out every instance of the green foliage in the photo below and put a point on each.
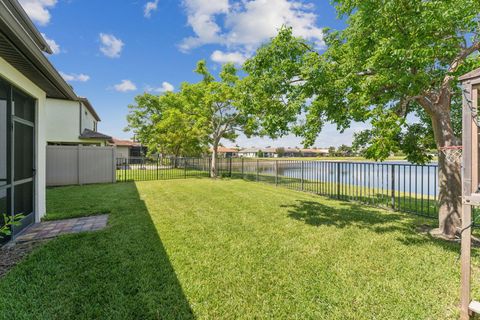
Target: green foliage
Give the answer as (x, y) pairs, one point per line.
(394, 58)
(8, 222)
(199, 115)
(344, 151)
(162, 124)
(332, 151)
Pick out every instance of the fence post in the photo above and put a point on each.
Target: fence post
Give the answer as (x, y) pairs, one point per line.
(158, 159)
(276, 172)
(185, 167)
(243, 177)
(392, 179)
(230, 167)
(79, 170)
(338, 180)
(114, 165)
(303, 169)
(257, 169)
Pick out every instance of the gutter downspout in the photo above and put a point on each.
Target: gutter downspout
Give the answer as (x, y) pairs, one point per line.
(80, 118)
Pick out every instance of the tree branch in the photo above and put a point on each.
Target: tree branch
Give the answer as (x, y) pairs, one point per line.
(456, 63)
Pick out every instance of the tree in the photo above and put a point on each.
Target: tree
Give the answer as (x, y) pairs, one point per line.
(161, 124)
(280, 152)
(214, 105)
(332, 152)
(394, 58)
(344, 150)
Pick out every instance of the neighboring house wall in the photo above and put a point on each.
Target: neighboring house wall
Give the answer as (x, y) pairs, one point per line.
(63, 120)
(64, 124)
(123, 152)
(88, 121)
(12, 75)
(247, 154)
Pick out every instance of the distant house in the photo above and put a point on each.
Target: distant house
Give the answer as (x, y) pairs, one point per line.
(73, 122)
(320, 152)
(291, 152)
(248, 153)
(259, 152)
(226, 152)
(127, 149)
(269, 152)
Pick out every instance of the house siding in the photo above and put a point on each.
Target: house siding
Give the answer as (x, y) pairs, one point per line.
(66, 120)
(12, 75)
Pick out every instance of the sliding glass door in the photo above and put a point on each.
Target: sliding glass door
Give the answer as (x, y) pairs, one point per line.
(17, 155)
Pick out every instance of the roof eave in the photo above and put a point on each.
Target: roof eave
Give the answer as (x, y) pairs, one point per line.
(28, 24)
(90, 108)
(470, 75)
(20, 33)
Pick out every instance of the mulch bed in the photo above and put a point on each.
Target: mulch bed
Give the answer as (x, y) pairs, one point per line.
(11, 255)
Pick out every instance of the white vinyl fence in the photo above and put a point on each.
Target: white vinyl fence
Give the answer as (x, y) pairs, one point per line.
(77, 165)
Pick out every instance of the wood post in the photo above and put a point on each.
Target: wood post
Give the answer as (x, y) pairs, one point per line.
(470, 152)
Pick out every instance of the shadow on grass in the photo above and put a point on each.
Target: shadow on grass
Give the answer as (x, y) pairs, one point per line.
(123, 272)
(348, 214)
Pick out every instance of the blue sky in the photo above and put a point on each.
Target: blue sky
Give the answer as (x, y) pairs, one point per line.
(110, 50)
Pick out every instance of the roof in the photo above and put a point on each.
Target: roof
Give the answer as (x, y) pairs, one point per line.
(249, 150)
(472, 74)
(22, 46)
(90, 134)
(125, 143)
(255, 150)
(89, 107)
(225, 150)
(320, 150)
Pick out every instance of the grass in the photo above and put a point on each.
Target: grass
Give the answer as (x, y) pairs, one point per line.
(161, 174)
(230, 249)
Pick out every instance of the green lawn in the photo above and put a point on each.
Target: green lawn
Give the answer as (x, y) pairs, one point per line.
(230, 249)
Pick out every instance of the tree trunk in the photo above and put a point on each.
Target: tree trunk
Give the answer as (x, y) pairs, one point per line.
(213, 167)
(449, 174)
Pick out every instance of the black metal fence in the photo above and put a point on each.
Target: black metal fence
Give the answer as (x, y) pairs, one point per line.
(399, 186)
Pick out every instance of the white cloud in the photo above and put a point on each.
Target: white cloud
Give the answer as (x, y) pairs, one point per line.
(166, 86)
(150, 7)
(111, 45)
(52, 44)
(125, 86)
(244, 25)
(231, 57)
(38, 10)
(201, 17)
(75, 77)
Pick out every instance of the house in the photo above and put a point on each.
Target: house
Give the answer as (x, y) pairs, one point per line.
(248, 153)
(269, 152)
(27, 80)
(73, 122)
(127, 149)
(315, 152)
(290, 152)
(226, 152)
(259, 152)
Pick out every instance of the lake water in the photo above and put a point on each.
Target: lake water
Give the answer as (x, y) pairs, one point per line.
(386, 176)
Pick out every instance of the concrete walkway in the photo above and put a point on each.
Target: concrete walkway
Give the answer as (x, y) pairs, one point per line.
(51, 229)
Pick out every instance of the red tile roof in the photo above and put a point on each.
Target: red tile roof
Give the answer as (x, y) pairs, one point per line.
(125, 143)
(225, 150)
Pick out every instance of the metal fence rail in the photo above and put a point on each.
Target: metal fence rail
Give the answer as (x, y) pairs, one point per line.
(400, 186)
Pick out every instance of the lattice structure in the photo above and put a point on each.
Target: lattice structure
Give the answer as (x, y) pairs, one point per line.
(453, 154)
